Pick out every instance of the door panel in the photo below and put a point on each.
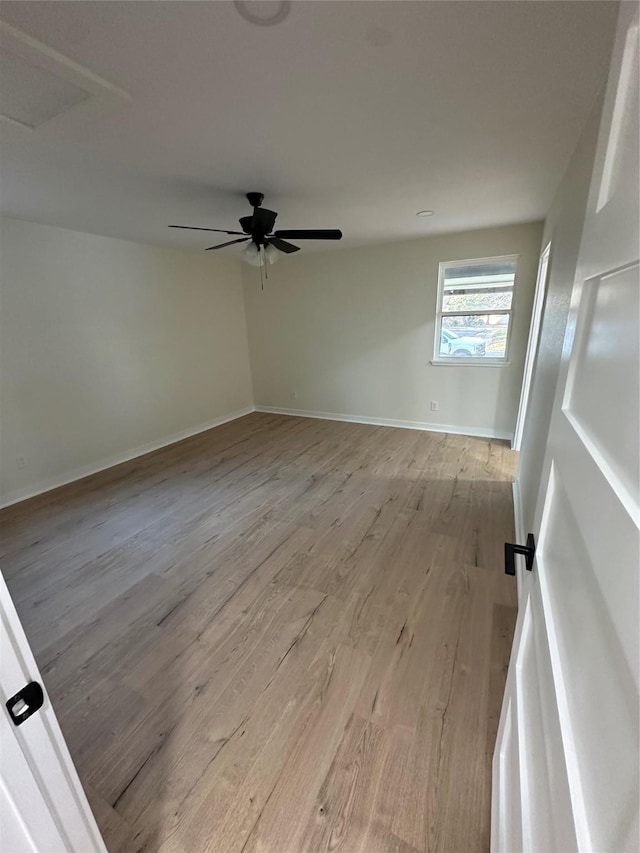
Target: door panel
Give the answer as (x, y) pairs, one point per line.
(506, 821)
(608, 312)
(599, 551)
(550, 803)
(537, 828)
(597, 703)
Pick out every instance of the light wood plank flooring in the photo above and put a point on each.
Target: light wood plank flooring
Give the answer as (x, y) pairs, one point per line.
(281, 635)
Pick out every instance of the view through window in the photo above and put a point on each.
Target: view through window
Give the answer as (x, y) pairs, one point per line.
(475, 300)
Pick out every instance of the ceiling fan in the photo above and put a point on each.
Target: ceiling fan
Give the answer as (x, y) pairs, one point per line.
(262, 240)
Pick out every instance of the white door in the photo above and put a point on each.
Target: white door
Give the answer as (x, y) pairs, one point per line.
(42, 805)
(566, 760)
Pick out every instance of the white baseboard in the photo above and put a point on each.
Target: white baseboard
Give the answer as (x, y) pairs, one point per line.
(87, 470)
(477, 432)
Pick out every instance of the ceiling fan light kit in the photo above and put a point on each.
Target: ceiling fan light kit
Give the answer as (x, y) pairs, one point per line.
(251, 254)
(265, 244)
(272, 254)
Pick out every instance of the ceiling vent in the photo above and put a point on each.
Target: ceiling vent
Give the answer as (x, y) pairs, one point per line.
(40, 86)
(30, 95)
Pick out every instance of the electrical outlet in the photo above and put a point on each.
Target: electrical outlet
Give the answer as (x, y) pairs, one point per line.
(435, 405)
(294, 395)
(21, 462)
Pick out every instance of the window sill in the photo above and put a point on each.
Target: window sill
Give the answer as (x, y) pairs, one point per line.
(468, 362)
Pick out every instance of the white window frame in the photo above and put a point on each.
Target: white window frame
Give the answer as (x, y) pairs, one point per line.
(450, 360)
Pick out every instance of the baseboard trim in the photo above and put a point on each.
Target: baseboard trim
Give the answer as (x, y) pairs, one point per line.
(476, 432)
(19, 495)
(519, 526)
(49, 485)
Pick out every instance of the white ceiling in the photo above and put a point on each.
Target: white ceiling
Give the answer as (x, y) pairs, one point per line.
(349, 115)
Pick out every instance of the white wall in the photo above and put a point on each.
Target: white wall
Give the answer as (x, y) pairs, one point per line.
(563, 227)
(107, 348)
(351, 332)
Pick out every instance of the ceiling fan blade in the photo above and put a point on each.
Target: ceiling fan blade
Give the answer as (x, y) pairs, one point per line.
(283, 246)
(318, 234)
(230, 243)
(194, 228)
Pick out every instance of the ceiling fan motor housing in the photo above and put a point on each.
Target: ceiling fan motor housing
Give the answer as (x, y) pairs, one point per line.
(245, 223)
(259, 224)
(255, 199)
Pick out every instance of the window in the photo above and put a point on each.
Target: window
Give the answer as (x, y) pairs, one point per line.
(475, 303)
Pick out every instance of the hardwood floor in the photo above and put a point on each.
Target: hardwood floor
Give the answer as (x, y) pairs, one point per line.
(281, 635)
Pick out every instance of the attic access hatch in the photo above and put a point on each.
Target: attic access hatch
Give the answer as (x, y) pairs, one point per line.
(40, 86)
